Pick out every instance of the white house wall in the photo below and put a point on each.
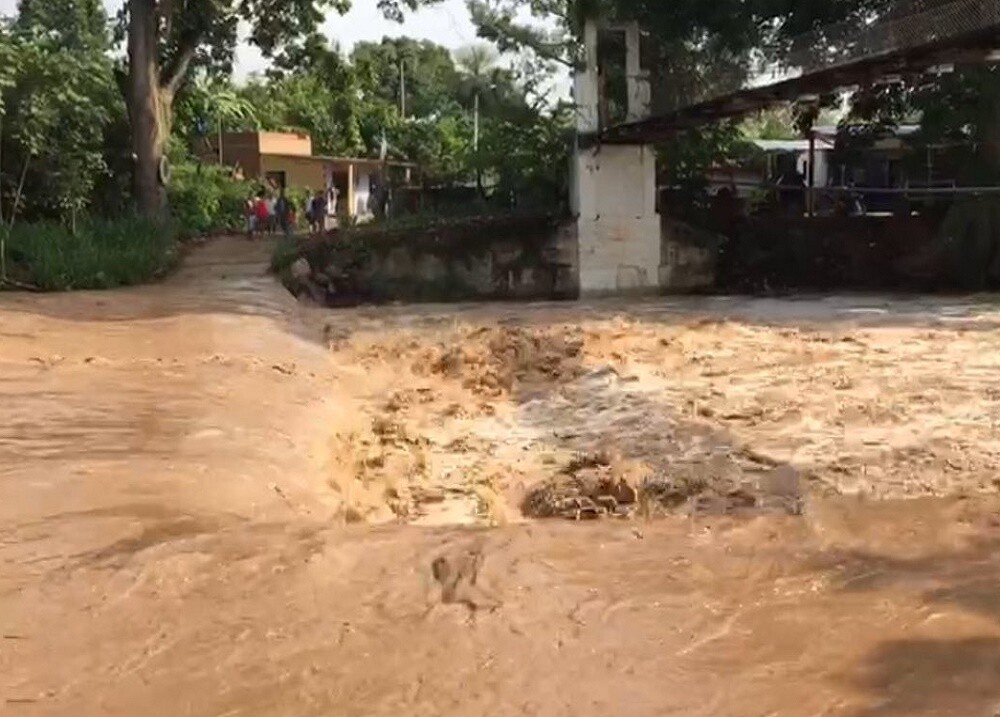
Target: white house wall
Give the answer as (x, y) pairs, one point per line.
(822, 166)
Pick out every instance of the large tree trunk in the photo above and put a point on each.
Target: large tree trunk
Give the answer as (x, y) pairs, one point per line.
(148, 106)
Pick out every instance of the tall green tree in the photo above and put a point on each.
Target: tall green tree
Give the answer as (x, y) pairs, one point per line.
(165, 38)
(206, 108)
(304, 102)
(81, 25)
(10, 58)
(418, 76)
(58, 98)
(696, 47)
(484, 80)
(312, 87)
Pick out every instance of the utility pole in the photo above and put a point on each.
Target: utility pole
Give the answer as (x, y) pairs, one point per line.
(402, 89)
(475, 143)
(475, 123)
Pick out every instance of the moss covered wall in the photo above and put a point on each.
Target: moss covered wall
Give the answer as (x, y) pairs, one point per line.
(473, 258)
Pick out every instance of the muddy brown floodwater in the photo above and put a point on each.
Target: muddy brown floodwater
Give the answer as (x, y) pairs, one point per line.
(216, 502)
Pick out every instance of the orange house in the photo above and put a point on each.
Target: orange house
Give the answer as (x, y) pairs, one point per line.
(285, 159)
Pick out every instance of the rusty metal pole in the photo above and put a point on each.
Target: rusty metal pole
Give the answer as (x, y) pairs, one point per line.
(812, 173)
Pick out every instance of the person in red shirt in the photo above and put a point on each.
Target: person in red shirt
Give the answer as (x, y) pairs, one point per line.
(261, 212)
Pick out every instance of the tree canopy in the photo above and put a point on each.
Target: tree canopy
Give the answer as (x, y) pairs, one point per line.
(166, 38)
(57, 94)
(68, 106)
(67, 102)
(421, 99)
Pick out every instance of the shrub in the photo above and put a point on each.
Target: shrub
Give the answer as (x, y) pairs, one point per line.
(101, 255)
(299, 198)
(205, 198)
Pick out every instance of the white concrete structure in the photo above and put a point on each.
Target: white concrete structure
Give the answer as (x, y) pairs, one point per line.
(640, 96)
(614, 187)
(618, 229)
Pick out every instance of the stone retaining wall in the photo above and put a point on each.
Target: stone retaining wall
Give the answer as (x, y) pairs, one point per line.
(481, 258)
(513, 258)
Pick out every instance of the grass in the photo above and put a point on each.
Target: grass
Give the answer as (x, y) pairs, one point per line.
(103, 254)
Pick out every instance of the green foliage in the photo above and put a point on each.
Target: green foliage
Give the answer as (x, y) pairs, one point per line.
(556, 38)
(778, 123)
(165, 40)
(427, 69)
(312, 88)
(10, 64)
(349, 106)
(694, 48)
(79, 25)
(64, 124)
(102, 254)
(427, 123)
(205, 199)
(306, 103)
(699, 38)
(688, 158)
(530, 159)
(299, 198)
(57, 95)
(216, 105)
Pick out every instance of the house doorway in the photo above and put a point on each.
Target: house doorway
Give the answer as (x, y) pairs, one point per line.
(276, 181)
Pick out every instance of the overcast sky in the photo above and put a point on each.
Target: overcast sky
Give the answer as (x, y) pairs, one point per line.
(447, 24)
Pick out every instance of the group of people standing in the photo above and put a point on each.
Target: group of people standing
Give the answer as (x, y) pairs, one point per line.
(268, 214)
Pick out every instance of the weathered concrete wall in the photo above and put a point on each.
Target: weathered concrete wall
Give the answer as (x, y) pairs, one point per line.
(533, 258)
(956, 248)
(548, 260)
(618, 227)
(689, 257)
(878, 252)
(539, 261)
(505, 271)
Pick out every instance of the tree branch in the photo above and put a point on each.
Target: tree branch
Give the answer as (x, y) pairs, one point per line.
(173, 74)
(165, 10)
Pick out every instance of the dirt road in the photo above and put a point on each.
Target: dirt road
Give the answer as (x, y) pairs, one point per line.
(214, 502)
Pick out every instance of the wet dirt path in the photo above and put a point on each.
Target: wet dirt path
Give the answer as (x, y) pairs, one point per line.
(177, 461)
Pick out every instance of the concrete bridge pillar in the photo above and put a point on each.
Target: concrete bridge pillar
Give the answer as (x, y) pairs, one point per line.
(614, 186)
